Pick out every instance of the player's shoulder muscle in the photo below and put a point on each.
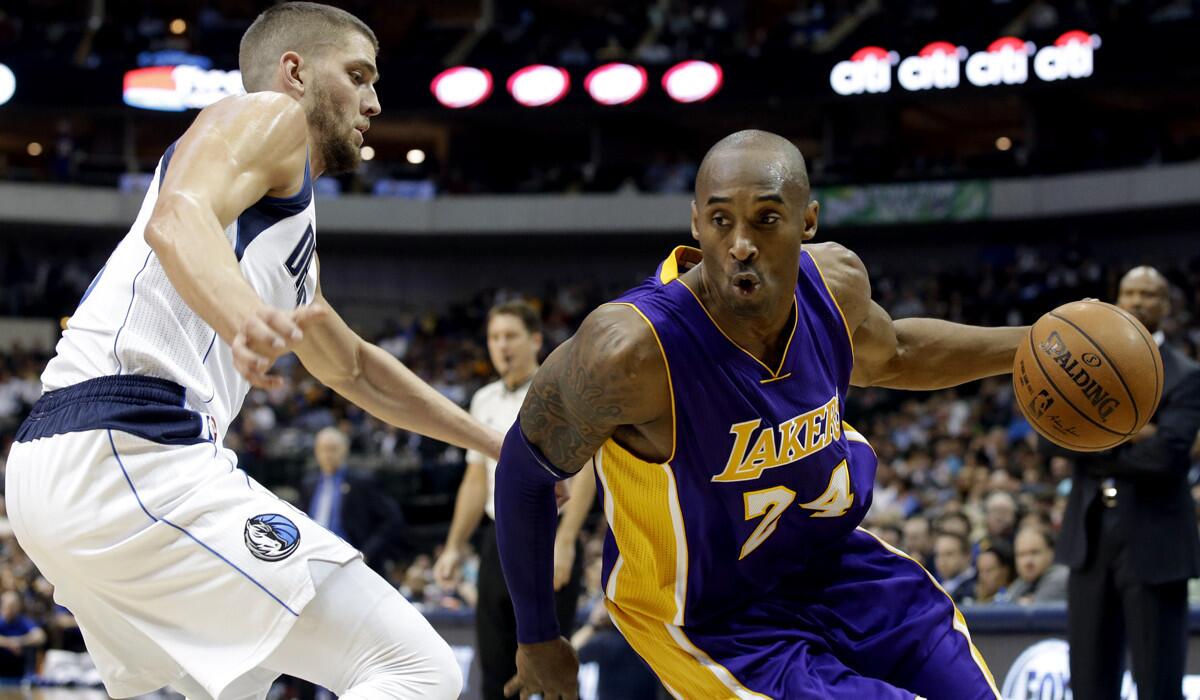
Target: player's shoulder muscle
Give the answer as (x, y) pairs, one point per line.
(847, 278)
(239, 149)
(606, 376)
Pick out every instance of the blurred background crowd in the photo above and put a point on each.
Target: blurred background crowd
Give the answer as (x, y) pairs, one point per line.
(978, 204)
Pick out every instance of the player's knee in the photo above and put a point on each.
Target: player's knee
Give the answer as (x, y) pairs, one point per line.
(450, 685)
(435, 675)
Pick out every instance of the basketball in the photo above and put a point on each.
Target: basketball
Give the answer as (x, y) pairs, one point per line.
(1088, 377)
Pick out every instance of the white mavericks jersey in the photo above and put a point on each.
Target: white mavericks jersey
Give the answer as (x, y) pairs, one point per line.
(131, 321)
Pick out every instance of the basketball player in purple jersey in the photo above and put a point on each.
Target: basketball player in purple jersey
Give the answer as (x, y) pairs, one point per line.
(733, 490)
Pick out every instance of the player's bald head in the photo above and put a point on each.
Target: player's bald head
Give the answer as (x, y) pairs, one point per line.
(303, 27)
(1146, 275)
(1145, 293)
(754, 158)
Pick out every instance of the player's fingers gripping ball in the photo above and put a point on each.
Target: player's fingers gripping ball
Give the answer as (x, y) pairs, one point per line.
(1088, 377)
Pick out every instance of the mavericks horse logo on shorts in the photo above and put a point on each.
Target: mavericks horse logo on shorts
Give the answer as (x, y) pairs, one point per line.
(271, 536)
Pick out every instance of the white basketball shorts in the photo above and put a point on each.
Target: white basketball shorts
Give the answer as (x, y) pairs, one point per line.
(174, 562)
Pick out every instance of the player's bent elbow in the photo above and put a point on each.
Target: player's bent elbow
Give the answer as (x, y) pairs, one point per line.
(160, 233)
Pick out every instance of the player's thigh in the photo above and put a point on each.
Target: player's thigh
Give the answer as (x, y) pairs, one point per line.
(358, 631)
(738, 658)
(884, 615)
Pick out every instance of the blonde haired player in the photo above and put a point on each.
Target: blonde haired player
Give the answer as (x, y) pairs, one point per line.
(180, 569)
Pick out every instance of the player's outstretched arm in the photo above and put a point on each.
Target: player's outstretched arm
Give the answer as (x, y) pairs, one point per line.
(911, 353)
(609, 377)
(236, 151)
(372, 378)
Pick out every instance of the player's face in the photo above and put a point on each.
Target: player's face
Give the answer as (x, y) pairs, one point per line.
(341, 100)
(1144, 296)
(750, 217)
(511, 346)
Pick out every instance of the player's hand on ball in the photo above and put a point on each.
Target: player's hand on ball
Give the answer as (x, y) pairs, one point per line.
(550, 669)
(267, 335)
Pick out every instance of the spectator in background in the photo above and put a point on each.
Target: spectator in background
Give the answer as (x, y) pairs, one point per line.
(918, 540)
(1129, 533)
(1039, 579)
(18, 636)
(952, 557)
(955, 523)
(889, 532)
(995, 573)
(1000, 516)
(351, 504)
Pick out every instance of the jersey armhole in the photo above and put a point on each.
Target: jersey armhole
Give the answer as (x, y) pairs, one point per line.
(670, 381)
(836, 305)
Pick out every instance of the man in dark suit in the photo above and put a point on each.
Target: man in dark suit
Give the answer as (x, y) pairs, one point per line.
(1129, 533)
(351, 504)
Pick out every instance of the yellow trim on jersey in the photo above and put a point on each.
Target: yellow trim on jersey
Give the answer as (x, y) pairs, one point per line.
(959, 622)
(786, 348)
(852, 434)
(670, 266)
(644, 514)
(835, 303)
(666, 364)
(610, 589)
(685, 669)
(774, 379)
(669, 272)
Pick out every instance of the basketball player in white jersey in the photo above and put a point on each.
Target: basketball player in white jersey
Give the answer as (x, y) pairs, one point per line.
(180, 569)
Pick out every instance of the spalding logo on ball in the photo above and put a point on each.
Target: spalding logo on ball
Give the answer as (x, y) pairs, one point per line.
(1088, 377)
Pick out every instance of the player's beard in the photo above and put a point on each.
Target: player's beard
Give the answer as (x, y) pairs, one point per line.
(338, 152)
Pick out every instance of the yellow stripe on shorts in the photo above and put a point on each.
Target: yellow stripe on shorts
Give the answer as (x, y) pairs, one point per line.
(684, 669)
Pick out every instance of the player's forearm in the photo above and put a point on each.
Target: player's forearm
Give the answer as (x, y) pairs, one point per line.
(468, 507)
(525, 532)
(935, 354)
(583, 493)
(388, 390)
(189, 242)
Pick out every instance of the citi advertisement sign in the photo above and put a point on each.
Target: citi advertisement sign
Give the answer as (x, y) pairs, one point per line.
(941, 65)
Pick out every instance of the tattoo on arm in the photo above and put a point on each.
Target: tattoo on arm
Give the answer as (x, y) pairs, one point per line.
(590, 386)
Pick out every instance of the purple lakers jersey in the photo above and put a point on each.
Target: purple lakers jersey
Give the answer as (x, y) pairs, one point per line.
(763, 476)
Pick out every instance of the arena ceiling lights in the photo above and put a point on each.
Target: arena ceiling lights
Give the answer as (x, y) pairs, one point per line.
(539, 85)
(693, 81)
(940, 65)
(612, 84)
(461, 87)
(616, 83)
(8, 83)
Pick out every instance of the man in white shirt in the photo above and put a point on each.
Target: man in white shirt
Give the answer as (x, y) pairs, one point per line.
(514, 342)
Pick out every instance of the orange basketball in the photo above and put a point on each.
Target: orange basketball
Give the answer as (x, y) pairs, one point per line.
(1088, 377)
